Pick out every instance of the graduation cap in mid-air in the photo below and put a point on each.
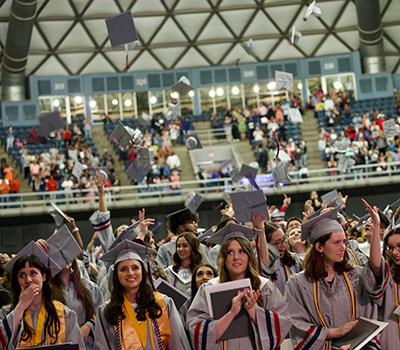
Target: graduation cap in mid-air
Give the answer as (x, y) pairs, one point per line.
(312, 10)
(182, 87)
(121, 31)
(248, 46)
(295, 36)
(284, 80)
(50, 122)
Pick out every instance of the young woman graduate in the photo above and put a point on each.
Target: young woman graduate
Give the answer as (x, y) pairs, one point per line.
(136, 316)
(264, 304)
(328, 296)
(36, 319)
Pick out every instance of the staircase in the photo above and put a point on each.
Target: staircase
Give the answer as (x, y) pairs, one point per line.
(17, 173)
(101, 142)
(187, 173)
(244, 151)
(310, 134)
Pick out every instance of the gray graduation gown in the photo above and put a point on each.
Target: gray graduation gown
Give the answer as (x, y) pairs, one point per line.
(72, 331)
(307, 331)
(105, 338)
(175, 280)
(272, 326)
(390, 338)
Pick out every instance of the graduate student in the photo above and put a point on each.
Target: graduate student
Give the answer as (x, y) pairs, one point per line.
(136, 316)
(36, 319)
(264, 304)
(326, 298)
(390, 308)
(186, 258)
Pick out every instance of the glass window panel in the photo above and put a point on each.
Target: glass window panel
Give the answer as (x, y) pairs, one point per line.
(45, 104)
(250, 94)
(235, 96)
(156, 99)
(142, 99)
(96, 104)
(221, 99)
(128, 105)
(113, 106)
(337, 83)
(206, 100)
(313, 86)
(77, 105)
(186, 105)
(58, 104)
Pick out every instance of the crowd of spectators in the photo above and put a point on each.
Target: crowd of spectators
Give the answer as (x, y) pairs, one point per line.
(360, 136)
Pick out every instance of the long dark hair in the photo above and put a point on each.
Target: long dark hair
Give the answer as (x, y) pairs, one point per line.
(270, 228)
(52, 323)
(394, 269)
(314, 267)
(195, 257)
(193, 284)
(251, 272)
(146, 302)
(82, 291)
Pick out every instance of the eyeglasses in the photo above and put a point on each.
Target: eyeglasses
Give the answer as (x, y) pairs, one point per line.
(392, 249)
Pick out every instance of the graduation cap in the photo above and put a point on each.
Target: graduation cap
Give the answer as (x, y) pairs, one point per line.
(320, 225)
(180, 217)
(284, 80)
(333, 196)
(63, 248)
(312, 10)
(280, 173)
(125, 136)
(50, 122)
(192, 141)
(142, 157)
(248, 203)
(130, 233)
(232, 231)
(193, 202)
(248, 46)
(102, 173)
(204, 236)
(126, 250)
(345, 163)
(34, 249)
(182, 87)
(295, 36)
(391, 209)
(390, 128)
(136, 172)
(58, 215)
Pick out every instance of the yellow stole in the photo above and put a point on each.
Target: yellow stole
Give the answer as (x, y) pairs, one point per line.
(134, 332)
(352, 298)
(396, 299)
(38, 332)
(354, 255)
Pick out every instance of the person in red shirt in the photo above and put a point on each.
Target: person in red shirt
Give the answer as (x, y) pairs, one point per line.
(15, 185)
(51, 184)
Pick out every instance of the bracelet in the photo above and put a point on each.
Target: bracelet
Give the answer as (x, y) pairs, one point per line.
(76, 229)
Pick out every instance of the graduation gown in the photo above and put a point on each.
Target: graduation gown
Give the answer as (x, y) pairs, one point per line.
(72, 332)
(106, 339)
(184, 285)
(101, 222)
(272, 326)
(335, 305)
(390, 338)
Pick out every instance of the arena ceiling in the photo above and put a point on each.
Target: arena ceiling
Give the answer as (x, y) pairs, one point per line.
(70, 36)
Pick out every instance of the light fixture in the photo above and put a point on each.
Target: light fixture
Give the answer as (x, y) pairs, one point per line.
(300, 86)
(191, 93)
(256, 88)
(211, 93)
(78, 100)
(56, 103)
(235, 90)
(220, 91)
(174, 94)
(93, 104)
(337, 85)
(271, 85)
(153, 100)
(114, 101)
(128, 103)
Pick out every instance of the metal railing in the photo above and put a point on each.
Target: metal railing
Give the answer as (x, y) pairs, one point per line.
(211, 137)
(211, 188)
